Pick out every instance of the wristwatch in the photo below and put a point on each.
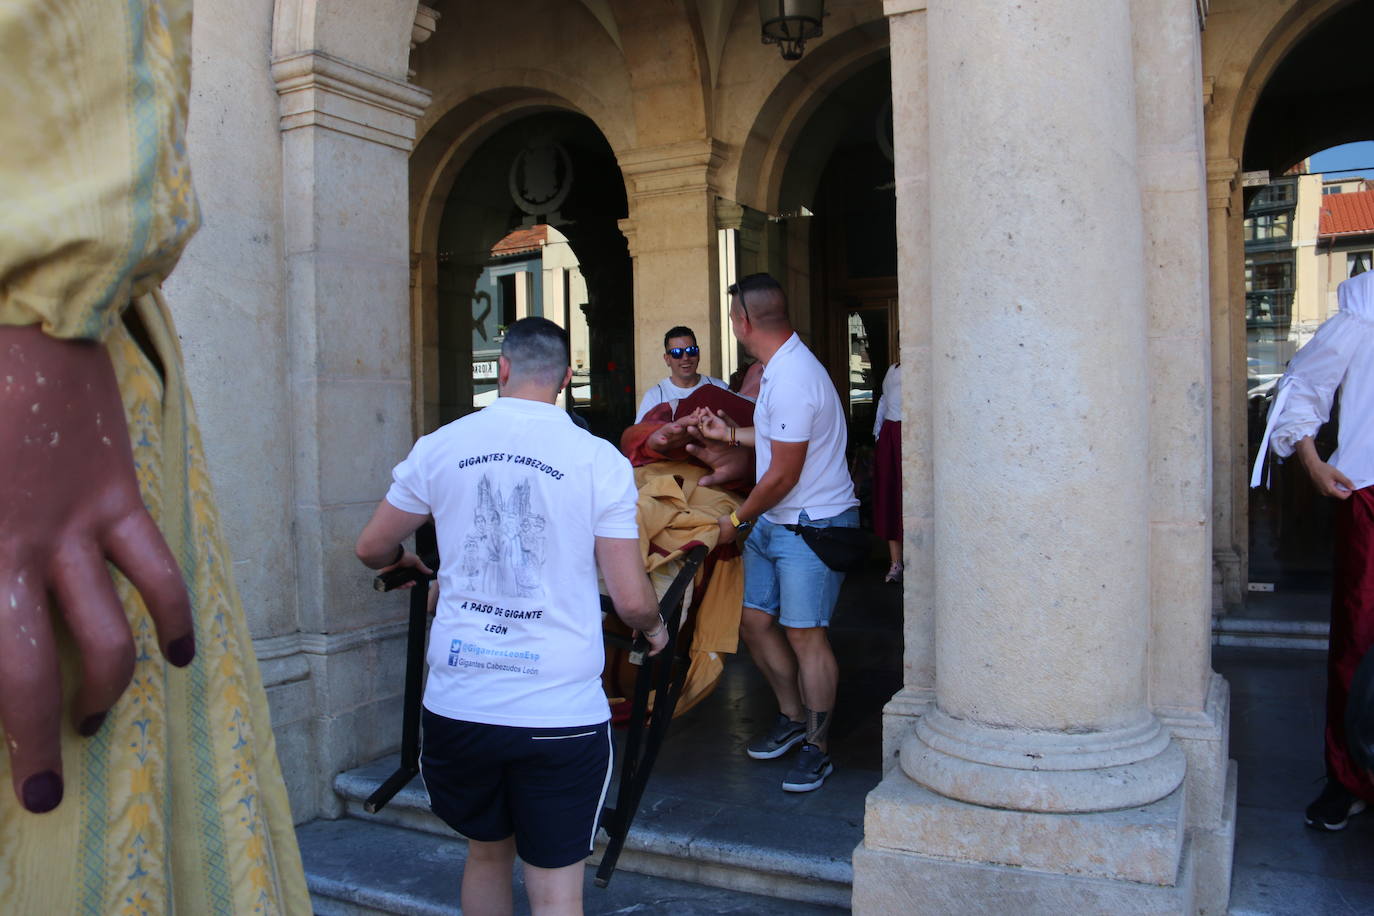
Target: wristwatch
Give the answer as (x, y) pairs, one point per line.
(741, 527)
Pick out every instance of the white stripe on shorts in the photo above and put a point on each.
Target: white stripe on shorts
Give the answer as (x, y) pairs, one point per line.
(601, 802)
(559, 737)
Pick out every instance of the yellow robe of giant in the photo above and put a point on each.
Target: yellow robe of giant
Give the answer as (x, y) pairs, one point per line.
(177, 804)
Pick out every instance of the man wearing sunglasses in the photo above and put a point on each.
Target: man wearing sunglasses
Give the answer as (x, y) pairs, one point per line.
(681, 355)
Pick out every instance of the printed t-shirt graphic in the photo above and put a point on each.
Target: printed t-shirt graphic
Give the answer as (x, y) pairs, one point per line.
(519, 495)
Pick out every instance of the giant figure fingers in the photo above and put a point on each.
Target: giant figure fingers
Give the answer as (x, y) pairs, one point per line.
(68, 503)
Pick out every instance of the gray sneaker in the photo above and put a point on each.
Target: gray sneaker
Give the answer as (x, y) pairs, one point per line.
(812, 768)
(785, 735)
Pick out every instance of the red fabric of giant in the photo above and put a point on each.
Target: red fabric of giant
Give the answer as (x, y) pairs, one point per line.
(1352, 630)
(887, 482)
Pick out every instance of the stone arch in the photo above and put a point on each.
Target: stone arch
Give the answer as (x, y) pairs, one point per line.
(452, 141)
(789, 107)
(1255, 50)
(461, 118)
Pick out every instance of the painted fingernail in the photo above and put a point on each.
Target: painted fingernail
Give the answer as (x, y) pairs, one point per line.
(91, 724)
(42, 791)
(181, 651)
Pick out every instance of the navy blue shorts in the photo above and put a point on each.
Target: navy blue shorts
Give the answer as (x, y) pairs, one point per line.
(544, 785)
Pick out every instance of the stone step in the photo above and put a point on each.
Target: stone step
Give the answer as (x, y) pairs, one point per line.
(801, 857)
(1261, 633)
(357, 868)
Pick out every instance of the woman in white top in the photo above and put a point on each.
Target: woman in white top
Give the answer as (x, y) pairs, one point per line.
(887, 470)
(682, 355)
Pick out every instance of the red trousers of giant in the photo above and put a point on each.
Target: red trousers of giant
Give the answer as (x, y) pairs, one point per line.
(1352, 631)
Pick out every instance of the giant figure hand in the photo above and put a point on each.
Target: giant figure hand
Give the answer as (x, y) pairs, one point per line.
(69, 502)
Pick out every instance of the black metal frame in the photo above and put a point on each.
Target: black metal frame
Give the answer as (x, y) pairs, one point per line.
(663, 674)
(416, 630)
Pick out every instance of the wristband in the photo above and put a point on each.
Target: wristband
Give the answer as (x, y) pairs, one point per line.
(400, 553)
(739, 525)
(732, 436)
(655, 633)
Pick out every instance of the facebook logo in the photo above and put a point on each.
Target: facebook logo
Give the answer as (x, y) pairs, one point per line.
(453, 650)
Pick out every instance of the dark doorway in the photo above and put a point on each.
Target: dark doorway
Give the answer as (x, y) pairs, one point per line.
(1291, 272)
(547, 179)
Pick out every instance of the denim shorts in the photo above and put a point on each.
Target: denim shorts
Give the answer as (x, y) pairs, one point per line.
(784, 577)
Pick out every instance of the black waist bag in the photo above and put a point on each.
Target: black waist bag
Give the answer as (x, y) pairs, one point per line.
(842, 549)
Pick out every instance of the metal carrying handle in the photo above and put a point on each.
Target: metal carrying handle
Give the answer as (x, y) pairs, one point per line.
(664, 675)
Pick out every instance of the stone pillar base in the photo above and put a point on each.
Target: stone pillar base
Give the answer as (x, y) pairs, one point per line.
(924, 853)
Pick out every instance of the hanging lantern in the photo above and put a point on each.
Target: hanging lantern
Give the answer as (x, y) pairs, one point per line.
(789, 23)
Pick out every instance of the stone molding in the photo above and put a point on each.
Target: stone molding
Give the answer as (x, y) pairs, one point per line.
(901, 7)
(280, 660)
(1141, 845)
(910, 701)
(426, 21)
(334, 643)
(630, 232)
(1221, 182)
(676, 168)
(317, 90)
(272, 647)
(1021, 770)
(1199, 724)
(746, 220)
(283, 658)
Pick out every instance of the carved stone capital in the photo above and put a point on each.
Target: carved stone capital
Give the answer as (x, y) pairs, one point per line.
(1222, 175)
(677, 168)
(627, 229)
(317, 90)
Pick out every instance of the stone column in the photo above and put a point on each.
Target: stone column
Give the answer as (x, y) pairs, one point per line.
(1190, 699)
(1040, 779)
(1040, 454)
(347, 132)
(672, 206)
(1230, 521)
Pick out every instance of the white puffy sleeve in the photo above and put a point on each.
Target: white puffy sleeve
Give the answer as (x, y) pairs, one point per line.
(1302, 401)
(1309, 385)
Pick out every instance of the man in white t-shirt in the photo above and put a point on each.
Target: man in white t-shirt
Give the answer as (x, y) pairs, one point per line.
(517, 746)
(682, 356)
(799, 438)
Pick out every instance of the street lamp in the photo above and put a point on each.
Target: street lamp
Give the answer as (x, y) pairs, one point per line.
(789, 23)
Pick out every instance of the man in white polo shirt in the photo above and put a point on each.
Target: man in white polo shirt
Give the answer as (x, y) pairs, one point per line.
(526, 506)
(799, 437)
(682, 356)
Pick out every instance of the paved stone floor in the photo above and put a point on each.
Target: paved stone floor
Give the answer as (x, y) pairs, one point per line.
(1277, 697)
(707, 792)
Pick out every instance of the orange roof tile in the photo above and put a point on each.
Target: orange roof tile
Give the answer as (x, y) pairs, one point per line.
(1351, 213)
(520, 241)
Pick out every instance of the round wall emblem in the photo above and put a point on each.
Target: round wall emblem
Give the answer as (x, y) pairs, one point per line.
(541, 176)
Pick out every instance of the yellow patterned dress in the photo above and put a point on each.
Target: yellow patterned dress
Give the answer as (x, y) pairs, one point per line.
(177, 805)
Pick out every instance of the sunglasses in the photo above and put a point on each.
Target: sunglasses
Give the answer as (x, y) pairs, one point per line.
(679, 352)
